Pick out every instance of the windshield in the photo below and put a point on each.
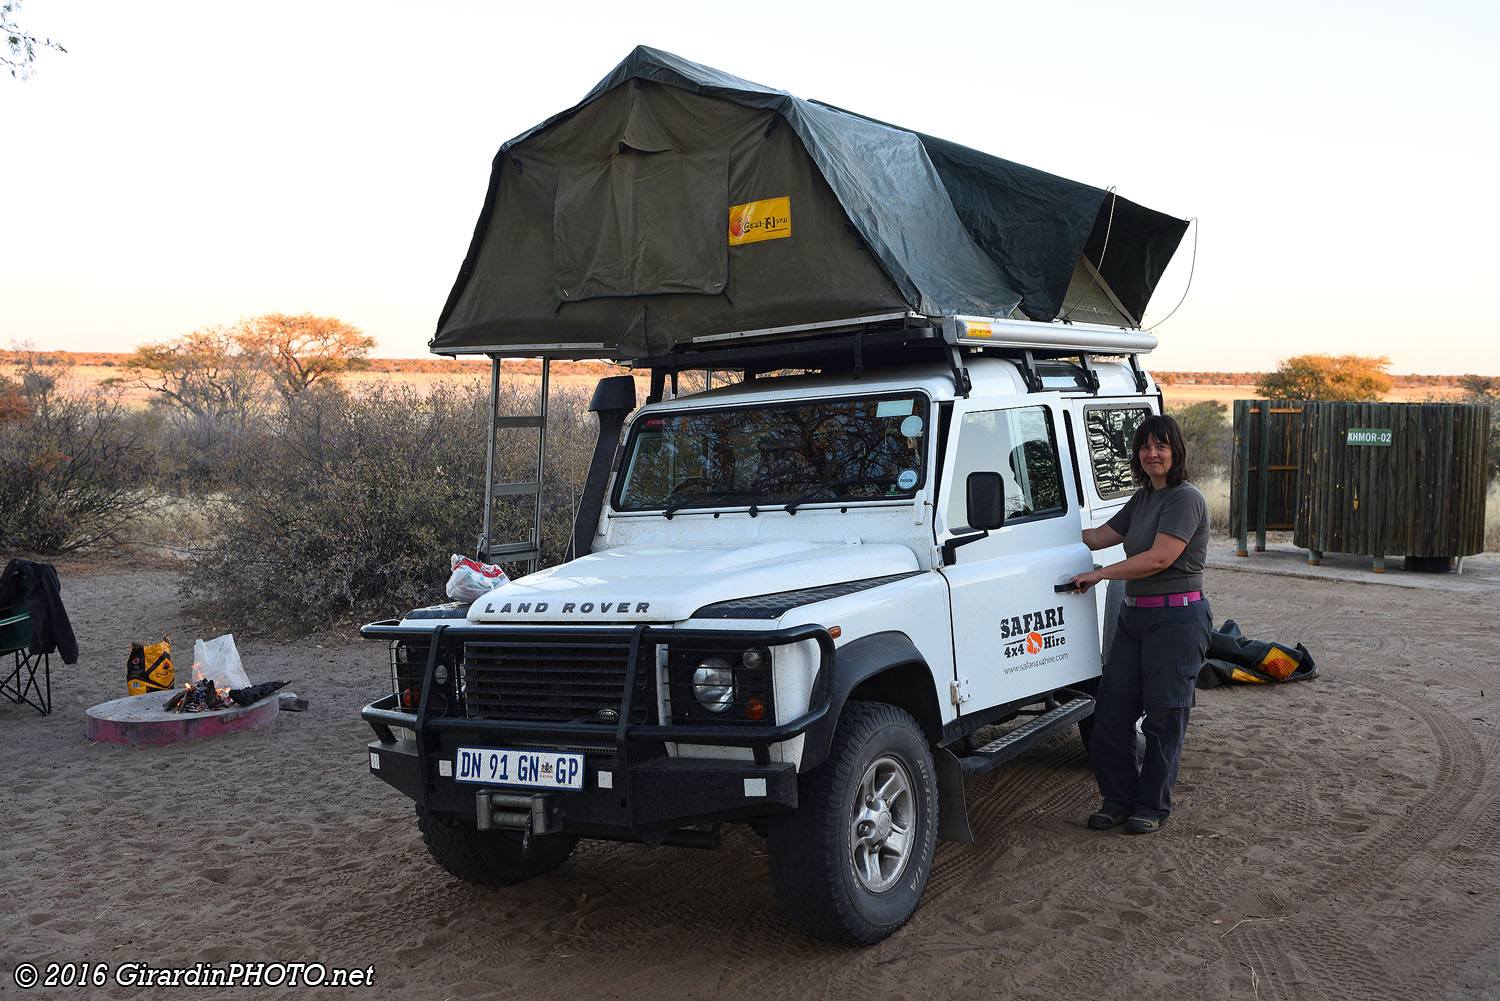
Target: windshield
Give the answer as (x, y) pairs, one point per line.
(868, 448)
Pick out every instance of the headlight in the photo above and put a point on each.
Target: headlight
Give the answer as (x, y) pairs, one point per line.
(713, 684)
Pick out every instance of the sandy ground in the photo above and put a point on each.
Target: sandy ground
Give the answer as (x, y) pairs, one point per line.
(1333, 839)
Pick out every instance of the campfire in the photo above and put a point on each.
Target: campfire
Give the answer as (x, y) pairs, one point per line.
(203, 696)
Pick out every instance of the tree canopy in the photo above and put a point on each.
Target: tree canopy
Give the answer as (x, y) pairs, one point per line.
(302, 351)
(218, 370)
(20, 44)
(205, 373)
(1327, 377)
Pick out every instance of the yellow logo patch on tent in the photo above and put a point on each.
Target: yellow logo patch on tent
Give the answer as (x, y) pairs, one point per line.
(767, 219)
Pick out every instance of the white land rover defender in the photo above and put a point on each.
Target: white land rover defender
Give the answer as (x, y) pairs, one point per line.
(813, 599)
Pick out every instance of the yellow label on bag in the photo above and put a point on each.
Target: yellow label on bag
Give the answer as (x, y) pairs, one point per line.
(153, 672)
(767, 219)
(1278, 665)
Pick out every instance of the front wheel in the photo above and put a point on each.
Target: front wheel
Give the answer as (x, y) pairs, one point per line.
(850, 864)
(489, 857)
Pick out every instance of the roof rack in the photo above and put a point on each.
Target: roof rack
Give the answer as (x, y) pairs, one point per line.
(901, 337)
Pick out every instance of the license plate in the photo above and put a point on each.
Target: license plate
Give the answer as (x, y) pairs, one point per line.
(532, 769)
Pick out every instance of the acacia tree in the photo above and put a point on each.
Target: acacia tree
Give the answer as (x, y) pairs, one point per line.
(302, 351)
(20, 44)
(206, 373)
(1327, 377)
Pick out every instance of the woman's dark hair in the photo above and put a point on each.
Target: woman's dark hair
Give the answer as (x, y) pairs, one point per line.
(1162, 428)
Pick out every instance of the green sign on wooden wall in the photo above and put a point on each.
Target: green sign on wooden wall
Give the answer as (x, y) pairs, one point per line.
(1368, 436)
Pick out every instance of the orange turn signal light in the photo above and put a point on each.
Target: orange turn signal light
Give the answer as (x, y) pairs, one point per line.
(755, 709)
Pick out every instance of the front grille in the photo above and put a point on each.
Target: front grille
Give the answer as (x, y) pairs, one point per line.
(563, 682)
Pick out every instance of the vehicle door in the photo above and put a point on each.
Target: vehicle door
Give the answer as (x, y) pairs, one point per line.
(1103, 449)
(1014, 636)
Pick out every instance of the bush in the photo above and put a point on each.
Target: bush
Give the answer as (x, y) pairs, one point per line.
(72, 464)
(1484, 391)
(1207, 432)
(355, 502)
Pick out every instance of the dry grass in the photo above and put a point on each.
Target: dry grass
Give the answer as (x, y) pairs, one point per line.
(171, 526)
(1215, 490)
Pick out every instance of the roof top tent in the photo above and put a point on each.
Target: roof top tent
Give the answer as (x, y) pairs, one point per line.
(679, 217)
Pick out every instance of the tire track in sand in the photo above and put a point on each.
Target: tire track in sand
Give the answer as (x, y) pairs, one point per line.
(1345, 954)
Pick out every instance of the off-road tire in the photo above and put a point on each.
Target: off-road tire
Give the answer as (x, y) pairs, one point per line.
(491, 858)
(821, 866)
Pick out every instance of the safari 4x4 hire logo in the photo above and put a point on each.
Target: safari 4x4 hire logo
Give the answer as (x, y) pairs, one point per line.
(767, 219)
(1033, 632)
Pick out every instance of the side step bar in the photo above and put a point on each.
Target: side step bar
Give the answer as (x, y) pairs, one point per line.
(1022, 738)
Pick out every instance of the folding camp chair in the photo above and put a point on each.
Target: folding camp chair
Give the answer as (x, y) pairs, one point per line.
(22, 684)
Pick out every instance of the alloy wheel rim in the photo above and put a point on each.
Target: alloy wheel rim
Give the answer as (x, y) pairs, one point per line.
(882, 824)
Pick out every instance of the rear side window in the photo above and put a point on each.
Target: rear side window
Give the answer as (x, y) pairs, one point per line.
(1110, 432)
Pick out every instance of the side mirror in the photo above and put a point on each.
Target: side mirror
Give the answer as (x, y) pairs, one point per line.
(984, 499)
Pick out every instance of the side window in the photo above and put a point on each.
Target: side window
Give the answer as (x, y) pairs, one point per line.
(1110, 431)
(1021, 446)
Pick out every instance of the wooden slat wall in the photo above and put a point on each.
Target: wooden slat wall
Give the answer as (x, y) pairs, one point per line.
(1264, 471)
(1421, 496)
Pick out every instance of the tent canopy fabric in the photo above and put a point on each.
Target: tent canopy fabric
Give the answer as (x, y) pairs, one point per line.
(676, 201)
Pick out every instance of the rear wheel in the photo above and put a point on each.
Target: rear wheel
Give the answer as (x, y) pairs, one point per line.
(850, 864)
(1086, 725)
(493, 858)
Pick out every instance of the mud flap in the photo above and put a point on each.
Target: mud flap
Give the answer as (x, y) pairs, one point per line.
(953, 812)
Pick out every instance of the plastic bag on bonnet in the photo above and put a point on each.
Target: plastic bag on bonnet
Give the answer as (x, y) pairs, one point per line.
(472, 580)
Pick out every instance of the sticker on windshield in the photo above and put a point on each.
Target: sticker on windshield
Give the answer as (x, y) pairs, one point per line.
(907, 479)
(893, 408)
(911, 427)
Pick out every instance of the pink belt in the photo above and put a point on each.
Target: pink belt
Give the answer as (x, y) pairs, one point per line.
(1164, 600)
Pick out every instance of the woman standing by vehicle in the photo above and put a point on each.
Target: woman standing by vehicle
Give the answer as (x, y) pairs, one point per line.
(1162, 634)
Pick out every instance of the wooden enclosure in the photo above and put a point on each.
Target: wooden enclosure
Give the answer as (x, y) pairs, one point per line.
(1376, 479)
(1263, 495)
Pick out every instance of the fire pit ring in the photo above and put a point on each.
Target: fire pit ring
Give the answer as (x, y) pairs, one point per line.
(140, 719)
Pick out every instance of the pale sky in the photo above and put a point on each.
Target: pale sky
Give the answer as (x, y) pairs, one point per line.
(187, 163)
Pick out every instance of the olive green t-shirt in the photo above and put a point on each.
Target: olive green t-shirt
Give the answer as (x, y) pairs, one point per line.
(1180, 512)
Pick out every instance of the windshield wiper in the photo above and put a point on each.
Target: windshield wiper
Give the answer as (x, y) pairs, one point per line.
(706, 495)
(853, 481)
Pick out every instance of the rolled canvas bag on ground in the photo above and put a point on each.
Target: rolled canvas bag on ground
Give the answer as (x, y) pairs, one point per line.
(149, 668)
(1234, 658)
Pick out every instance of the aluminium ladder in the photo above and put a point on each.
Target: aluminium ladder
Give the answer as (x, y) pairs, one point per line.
(529, 550)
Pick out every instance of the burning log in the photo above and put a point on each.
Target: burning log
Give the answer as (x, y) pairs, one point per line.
(253, 694)
(203, 696)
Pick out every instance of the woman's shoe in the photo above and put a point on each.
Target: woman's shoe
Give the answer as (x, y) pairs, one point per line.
(1103, 820)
